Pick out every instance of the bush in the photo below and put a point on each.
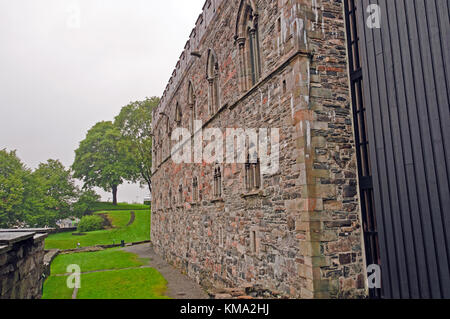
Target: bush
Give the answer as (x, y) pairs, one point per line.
(90, 223)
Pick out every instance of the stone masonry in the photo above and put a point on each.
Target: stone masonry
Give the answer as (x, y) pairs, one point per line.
(21, 264)
(297, 235)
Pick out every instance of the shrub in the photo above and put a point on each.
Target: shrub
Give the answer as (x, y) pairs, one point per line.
(90, 223)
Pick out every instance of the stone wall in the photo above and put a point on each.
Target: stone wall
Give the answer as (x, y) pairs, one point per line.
(21, 264)
(299, 234)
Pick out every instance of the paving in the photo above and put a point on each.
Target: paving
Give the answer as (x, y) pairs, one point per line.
(179, 286)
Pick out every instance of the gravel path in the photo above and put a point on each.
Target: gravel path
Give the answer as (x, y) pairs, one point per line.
(179, 286)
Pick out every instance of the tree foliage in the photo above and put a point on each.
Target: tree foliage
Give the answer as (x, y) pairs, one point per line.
(104, 159)
(86, 203)
(12, 188)
(41, 197)
(134, 123)
(50, 193)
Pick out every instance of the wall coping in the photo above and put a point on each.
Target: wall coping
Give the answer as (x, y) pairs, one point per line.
(9, 237)
(34, 230)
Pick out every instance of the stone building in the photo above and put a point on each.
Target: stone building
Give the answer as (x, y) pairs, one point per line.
(303, 230)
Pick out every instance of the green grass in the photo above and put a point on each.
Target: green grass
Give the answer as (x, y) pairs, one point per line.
(56, 288)
(145, 283)
(138, 231)
(120, 206)
(139, 283)
(99, 260)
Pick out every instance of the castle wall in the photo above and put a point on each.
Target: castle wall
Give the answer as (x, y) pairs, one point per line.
(299, 234)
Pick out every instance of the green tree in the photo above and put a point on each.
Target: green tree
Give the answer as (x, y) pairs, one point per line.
(12, 176)
(134, 122)
(104, 159)
(86, 201)
(50, 193)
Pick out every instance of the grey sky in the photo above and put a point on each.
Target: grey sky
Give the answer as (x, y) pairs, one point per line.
(61, 72)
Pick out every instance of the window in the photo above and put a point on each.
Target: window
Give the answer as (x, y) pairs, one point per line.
(192, 105)
(247, 38)
(221, 237)
(180, 194)
(178, 114)
(252, 173)
(167, 126)
(213, 83)
(254, 241)
(195, 189)
(170, 198)
(217, 182)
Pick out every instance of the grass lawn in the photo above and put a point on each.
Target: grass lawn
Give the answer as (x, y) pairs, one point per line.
(56, 288)
(145, 283)
(138, 231)
(139, 283)
(120, 206)
(99, 260)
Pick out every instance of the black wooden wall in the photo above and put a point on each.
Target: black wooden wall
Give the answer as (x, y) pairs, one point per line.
(406, 93)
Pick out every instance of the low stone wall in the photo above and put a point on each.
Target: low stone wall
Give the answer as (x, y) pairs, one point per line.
(21, 264)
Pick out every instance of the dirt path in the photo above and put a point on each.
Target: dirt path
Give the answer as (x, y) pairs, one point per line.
(132, 218)
(179, 286)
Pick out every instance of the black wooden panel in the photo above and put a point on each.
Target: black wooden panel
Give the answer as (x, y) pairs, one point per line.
(406, 84)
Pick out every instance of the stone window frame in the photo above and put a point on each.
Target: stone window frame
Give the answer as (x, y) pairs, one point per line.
(192, 102)
(180, 196)
(252, 175)
(248, 43)
(212, 76)
(178, 114)
(170, 198)
(221, 237)
(255, 240)
(195, 190)
(218, 183)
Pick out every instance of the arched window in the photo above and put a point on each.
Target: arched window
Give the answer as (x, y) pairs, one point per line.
(217, 182)
(252, 173)
(170, 198)
(247, 38)
(212, 75)
(180, 194)
(178, 114)
(192, 105)
(160, 153)
(195, 189)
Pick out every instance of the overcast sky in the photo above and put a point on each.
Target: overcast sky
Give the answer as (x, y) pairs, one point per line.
(68, 64)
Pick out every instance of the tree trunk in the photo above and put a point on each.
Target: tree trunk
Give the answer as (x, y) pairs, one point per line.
(114, 192)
